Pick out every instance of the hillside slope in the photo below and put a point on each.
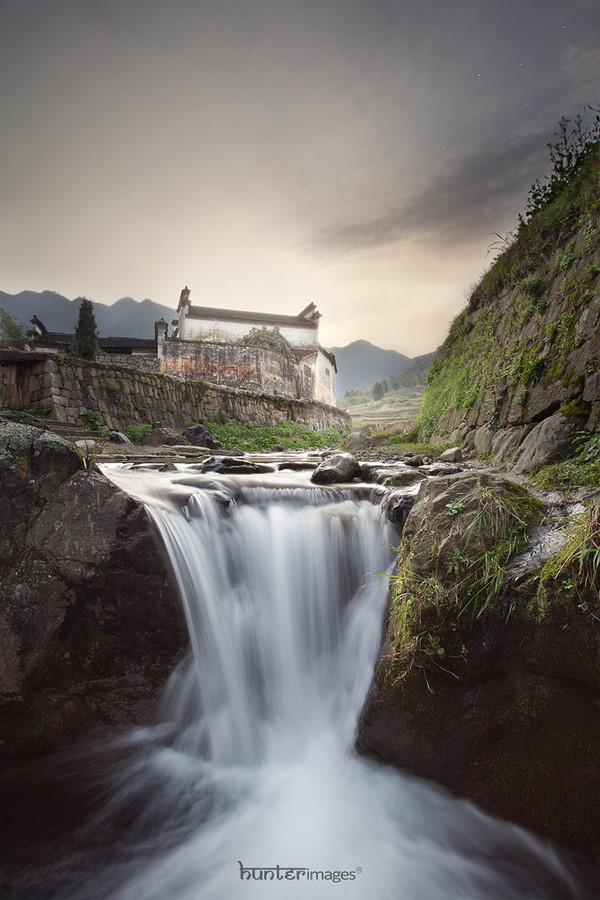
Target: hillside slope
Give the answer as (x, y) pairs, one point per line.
(360, 364)
(488, 680)
(528, 344)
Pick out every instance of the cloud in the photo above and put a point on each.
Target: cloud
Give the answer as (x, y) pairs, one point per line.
(472, 192)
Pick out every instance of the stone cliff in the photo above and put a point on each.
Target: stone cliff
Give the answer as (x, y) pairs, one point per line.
(527, 346)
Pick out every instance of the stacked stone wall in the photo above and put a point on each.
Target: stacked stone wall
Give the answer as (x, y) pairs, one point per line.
(141, 362)
(115, 396)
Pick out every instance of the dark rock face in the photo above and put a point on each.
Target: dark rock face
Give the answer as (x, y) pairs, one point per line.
(89, 626)
(200, 436)
(338, 469)
(499, 701)
(520, 742)
(397, 506)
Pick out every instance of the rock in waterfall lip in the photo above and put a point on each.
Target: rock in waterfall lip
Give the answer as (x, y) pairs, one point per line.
(338, 469)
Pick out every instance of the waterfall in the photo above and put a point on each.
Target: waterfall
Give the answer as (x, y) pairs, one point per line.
(282, 586)
(249, 775)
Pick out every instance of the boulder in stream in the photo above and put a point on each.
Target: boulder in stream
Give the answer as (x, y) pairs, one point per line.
(338, 469)
(234, 466)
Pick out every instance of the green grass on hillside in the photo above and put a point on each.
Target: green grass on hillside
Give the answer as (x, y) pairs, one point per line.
(503, 343)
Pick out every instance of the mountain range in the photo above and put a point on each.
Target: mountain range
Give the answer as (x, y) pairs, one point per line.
(125, 318)
(360, 364)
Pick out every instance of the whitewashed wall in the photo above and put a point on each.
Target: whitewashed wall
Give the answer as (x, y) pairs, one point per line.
(223, 331)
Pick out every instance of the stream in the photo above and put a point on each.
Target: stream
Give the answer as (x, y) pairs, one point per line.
(247, 786)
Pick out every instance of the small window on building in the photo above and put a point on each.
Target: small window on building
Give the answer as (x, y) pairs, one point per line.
(327, 372)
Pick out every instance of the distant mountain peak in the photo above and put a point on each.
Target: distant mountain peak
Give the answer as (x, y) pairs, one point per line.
(125, 318)
(361, 363)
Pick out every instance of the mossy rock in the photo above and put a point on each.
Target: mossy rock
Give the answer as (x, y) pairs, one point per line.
(507, 713)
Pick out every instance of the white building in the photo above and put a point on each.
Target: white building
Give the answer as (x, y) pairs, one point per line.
(300, 333)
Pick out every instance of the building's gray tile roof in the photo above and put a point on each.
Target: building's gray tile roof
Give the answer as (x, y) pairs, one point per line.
(238, 315)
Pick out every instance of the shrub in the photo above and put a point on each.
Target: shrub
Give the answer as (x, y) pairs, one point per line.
(266, 337)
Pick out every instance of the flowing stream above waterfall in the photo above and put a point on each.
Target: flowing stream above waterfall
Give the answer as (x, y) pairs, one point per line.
(248, 786)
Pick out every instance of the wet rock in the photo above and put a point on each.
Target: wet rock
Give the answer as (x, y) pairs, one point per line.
(228, 464)
(200, 436)
(396, 507)
(379, 472)
(235, 451)
(33, 463)
(435, 469)
(338, 469)
(405, 478)
(412, 459)
(293, 466)
(491, 693)
(117, 437)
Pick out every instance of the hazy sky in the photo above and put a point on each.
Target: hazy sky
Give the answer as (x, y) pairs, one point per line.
(269, 153)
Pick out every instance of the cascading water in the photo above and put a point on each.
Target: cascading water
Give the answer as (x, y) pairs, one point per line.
(248, 786)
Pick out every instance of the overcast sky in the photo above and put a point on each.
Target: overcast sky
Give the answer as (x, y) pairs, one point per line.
(359, 154)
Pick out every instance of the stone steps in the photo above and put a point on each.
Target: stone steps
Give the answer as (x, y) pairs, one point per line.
(67, 429)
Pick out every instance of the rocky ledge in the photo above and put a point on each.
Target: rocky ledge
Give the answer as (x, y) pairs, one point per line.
(89, 623)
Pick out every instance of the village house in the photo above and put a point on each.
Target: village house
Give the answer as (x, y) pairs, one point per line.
(207, 344)
(316, 367)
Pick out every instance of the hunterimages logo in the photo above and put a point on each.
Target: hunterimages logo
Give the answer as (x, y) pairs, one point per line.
(295, 873)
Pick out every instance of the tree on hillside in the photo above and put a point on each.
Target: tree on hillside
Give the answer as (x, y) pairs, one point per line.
(12, 334)
(85, 340)
(567, 155)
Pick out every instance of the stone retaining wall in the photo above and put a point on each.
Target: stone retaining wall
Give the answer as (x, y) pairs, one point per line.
(247, 368)
(116, 396)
